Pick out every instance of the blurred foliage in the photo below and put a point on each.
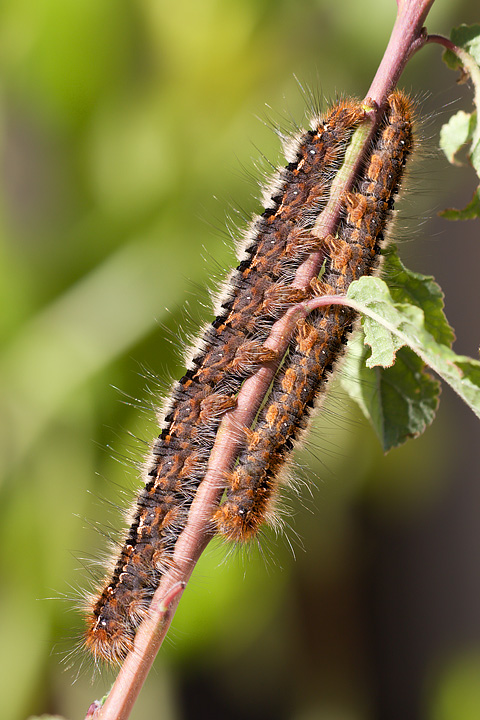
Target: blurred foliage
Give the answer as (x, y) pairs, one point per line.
(457, 690)
(119, 122)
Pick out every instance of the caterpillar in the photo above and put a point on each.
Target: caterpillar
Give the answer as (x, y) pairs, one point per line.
(320, 340)
(230, 350)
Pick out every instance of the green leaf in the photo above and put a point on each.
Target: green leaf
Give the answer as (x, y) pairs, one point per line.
(404, 330)
(414, 288)
(466, 37)
(400, 401)
(475, 154)
(463, 127)
(470, 212)
(456, 133)
(406, 325)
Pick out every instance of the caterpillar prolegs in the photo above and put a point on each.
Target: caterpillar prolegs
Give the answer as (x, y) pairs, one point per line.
(231, 349)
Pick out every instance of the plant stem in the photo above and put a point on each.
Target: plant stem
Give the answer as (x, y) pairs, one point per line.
(407, 36)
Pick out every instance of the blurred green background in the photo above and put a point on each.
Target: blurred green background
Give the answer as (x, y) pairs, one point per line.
(130, 137)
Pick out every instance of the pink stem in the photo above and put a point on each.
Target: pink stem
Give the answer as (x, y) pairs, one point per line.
(445, 42)
(407, 37)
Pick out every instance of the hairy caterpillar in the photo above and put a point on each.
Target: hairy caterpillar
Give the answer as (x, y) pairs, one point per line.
(321, 339)
(230, 350)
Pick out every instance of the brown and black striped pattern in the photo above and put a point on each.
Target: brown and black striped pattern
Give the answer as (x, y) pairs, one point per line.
(321, 339)
(231, 349)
